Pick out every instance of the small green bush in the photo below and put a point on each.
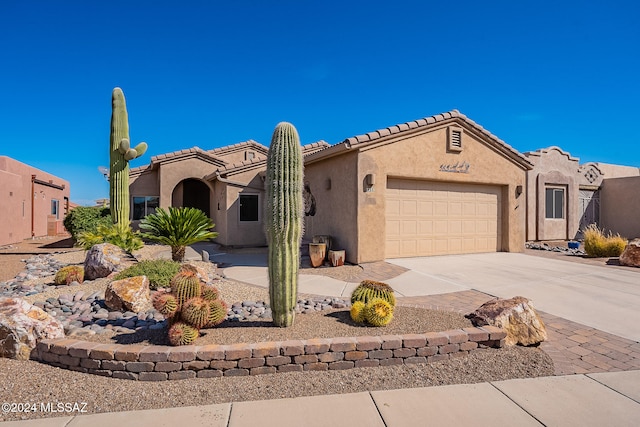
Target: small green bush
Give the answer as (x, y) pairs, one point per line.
(84, 218)
(115, 234)
(597, 245)
(158, 271)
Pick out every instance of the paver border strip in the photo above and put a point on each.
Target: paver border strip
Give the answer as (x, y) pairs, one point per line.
(161, 363)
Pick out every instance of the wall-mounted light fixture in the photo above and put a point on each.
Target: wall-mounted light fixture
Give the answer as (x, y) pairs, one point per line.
(518, 190)
(369, 182)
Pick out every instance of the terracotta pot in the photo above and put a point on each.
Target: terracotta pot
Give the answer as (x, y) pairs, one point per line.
(336, 258)
(322, 238)
(317, 252)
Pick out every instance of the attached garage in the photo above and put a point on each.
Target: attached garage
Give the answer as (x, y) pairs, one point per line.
(441, 185)
(426, 218)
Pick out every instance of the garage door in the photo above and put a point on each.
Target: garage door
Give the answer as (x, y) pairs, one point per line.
(438, 218)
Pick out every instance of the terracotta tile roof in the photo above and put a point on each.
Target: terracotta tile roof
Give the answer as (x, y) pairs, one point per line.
(359, 141)
(185, 153)
(261, 161)
(177, 155)
(239, 146)
(314, 147)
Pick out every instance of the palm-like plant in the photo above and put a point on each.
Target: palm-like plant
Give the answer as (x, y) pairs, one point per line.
(178, 228)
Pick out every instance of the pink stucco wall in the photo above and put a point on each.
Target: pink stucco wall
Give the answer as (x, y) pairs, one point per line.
(18, 202)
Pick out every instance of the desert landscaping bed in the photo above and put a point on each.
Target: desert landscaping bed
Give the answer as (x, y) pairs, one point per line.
(400, 345)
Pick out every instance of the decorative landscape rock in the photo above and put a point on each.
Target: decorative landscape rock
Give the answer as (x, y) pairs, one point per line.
(22, 325)
(516, 316)
(129, 294)
(631, 254)
(104, 259)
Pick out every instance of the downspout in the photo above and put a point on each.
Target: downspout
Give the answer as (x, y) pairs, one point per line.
(33, 203)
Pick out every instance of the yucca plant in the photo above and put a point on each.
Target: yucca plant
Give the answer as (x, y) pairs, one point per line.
(178, 228)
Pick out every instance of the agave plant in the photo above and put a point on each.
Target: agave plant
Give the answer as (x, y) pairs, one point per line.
(178, 228)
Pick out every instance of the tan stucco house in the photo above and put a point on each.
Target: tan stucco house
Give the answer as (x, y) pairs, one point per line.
(439, 185)
(226, 183)
(564, 196)
(34, 202)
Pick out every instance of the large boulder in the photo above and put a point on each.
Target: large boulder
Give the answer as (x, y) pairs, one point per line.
(22, 325)
(104, 259)
(631, 254)
(129, 294)
(516, 316)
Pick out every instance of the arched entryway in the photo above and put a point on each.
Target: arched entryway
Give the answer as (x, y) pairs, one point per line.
(192, 193)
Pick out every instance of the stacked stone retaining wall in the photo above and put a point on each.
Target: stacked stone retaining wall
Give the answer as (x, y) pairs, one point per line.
(160, 363)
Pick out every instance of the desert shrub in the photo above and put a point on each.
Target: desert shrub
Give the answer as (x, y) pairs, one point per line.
(597, 244)
(84, 218)
(70, 273)
(158, 271)
(116, 234)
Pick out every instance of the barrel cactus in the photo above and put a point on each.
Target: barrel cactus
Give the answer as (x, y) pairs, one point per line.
(378, 312)
(120, 154)
(217, 313)
(182, 334)
(165, 303)
(369, 289)
(283, 221)
(357, 312)
(210, 292)
(190, 306)
(185, 285)
(195, 312)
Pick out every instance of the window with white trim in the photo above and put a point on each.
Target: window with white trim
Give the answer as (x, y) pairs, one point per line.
(144, 205)
(554, 203)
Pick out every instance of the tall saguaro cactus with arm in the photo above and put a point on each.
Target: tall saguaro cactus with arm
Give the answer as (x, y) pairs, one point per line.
(284, 210)
(120, 154)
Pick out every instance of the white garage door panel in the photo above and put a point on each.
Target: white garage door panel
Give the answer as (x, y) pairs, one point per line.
(435, 218)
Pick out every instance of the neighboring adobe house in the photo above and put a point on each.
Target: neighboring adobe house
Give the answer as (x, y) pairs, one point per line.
(226, 183)
(34, 203)
(564, 197)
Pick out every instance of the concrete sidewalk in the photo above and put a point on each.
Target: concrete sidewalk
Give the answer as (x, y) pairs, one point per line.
(606, 399)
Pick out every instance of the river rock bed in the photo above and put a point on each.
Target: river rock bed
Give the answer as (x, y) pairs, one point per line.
(549, 248)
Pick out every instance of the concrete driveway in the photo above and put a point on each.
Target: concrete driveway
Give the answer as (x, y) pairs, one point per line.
(604, 298)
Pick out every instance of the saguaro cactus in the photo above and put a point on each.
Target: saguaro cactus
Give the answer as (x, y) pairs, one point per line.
(120, 154)
(284, 210)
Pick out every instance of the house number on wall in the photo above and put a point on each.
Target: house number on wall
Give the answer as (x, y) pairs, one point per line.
(456, 168)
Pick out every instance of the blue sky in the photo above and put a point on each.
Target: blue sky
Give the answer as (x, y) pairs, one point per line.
(213, 73)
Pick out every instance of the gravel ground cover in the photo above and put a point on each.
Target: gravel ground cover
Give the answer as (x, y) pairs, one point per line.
(34, 382)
